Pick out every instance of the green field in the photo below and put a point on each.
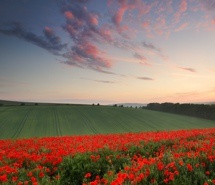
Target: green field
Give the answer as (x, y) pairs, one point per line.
(57, 120)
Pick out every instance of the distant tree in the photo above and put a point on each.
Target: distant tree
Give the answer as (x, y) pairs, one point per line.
(22, 104)
(196, 110)
(98, 104)
(115, 105)
(136, 107)
(93, 104)
(121, 105)
(36, 104)
(1, 104)
(131, 107)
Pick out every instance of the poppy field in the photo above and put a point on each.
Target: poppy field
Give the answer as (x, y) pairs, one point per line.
(166, 157)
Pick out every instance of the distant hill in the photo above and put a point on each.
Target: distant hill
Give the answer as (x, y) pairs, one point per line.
(16, 103)
(209, 103)
(132, 104)
(145, 104)
(8, 102)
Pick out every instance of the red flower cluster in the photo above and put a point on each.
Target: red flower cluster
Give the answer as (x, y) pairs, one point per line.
(158, 157)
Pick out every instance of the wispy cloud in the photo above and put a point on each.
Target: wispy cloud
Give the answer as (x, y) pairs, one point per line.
(208, 4)
(88, 28)
(100, 81)
(154, 49)
(82, 26)
(87, 55)
(104, 81)
(181, 27)
(48, 41)
(183, 6)
(145, 78)
(182, 9)
(150, 46)
(142, 58)
(188, 69)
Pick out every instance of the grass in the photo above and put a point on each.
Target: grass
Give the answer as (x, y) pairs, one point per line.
(58, 120)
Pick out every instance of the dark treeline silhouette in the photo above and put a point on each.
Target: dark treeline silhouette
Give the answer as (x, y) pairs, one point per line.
(196, 110)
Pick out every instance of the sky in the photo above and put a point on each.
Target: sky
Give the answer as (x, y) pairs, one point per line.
(107, 51)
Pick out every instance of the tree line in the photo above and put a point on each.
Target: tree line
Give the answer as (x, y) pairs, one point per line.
(196, 110)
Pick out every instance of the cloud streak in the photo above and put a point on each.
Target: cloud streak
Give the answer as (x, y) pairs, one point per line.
(141, 58)
(208, 4)
(87, 54)
(188, 69)
(150, 46)
(181, 27)
(100, 81)
(84, 29)
(48, 41)
(154, 49)
(145, 78)
(82, 26)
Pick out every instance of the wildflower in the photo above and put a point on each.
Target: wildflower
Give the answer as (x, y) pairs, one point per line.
(166, 180)
(88, 175)
(160, 166)
(14, 179)
(181, 163)
(41, 175)
(189, 167)
(3, 178)
(207, 173)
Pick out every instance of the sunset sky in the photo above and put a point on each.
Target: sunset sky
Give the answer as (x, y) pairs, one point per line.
(114, 51)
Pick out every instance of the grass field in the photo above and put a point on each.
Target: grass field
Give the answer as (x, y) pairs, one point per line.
(39, 121)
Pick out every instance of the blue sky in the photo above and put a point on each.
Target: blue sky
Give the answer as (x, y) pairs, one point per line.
(91, 51)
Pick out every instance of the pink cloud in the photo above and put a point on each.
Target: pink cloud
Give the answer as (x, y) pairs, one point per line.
(68, 15)
(182, 27)
(183, 6)
(165, 6)
(117, 18)
(145, 24)
(213, 21)
(87, 55)
(160, 25)
(91, 51)
(106, 32)
(162, 22)
(70, 29)
(125, 5)
(93, 19)
(144, 8)
(82, 25)
(48, 30)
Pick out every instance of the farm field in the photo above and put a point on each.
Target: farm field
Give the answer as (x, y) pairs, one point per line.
(59, 120)
(151, 158)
